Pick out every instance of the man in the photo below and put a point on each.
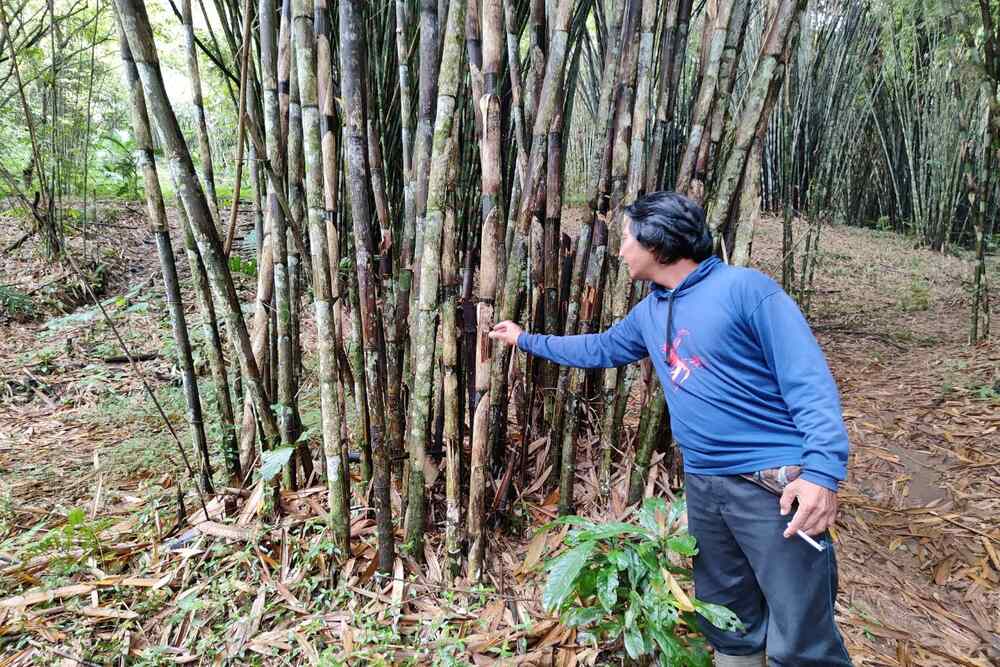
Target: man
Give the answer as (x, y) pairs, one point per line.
(753, 407)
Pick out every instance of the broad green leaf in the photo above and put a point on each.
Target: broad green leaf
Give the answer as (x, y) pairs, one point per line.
(650, 554)
(648, 512)
(562, 575)
(683, 543)
(618, 558)
(613, 529)
(571, 520)
(637, 570)
(634, 645)
(719, 616)
(586, 583)
(670, 648)
(634, 607)
(661, 613)
(577, 616)
(607, 588)
(273, 461)
(611, 629)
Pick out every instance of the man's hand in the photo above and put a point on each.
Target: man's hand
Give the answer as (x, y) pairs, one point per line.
(817, 507)
(507, 332)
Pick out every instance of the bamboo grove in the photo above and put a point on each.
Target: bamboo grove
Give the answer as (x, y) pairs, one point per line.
(409, 167)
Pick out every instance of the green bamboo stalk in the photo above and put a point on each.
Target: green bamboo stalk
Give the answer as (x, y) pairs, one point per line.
(159, 227)
(429, 67)
(597, 199)
(616, 389)
(452, 413)
(549, 103)
(655, 429)
(204, 147)
(452, 63)
(140, 39)
(336, 464)
(762, 92)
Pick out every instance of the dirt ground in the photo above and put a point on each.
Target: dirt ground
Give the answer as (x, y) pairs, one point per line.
(86, 472)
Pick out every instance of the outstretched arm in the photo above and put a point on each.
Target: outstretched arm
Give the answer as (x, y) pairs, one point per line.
(621, 344)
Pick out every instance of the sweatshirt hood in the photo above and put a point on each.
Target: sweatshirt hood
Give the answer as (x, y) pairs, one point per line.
(704, 268)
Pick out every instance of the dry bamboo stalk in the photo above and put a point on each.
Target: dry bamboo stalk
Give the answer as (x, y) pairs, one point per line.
(708, 94)
(490, 248)
(356, 146)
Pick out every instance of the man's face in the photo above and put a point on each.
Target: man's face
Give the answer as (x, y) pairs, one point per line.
(639, 260)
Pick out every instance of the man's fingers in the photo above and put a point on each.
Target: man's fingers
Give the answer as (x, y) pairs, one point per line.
(816, 524)
(787, 498)
(801, 517)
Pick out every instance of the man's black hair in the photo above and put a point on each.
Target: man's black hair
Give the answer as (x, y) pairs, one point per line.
(671, 226)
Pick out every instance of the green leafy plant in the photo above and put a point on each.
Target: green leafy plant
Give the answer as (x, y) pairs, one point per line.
(16, 304)
(626, 581)
(74, 542)
(247, 267)
(119, 166)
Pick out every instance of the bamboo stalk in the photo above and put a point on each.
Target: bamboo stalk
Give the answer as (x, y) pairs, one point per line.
(336, 464)
(140, 39)
(204, 147)
(616, 389)
(452, 62)
(352, 93)
(490, 247)
(688, 180)
(762, 91)
(654, 429)
(452, 412)
(159, 228)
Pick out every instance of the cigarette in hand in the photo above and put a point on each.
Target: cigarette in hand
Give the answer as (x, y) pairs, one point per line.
(813, 543)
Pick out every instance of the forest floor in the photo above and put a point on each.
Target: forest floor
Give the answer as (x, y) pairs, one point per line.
(96, 569)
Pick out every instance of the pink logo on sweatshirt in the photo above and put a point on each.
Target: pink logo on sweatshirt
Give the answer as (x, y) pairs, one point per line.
(680, 366)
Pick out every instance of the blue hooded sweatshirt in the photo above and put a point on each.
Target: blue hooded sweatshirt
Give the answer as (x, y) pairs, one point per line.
(747, 385)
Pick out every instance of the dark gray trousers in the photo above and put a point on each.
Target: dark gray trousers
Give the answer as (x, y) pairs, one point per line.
(782, 589)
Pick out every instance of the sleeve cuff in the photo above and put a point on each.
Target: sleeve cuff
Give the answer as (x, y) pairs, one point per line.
(821, 478)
